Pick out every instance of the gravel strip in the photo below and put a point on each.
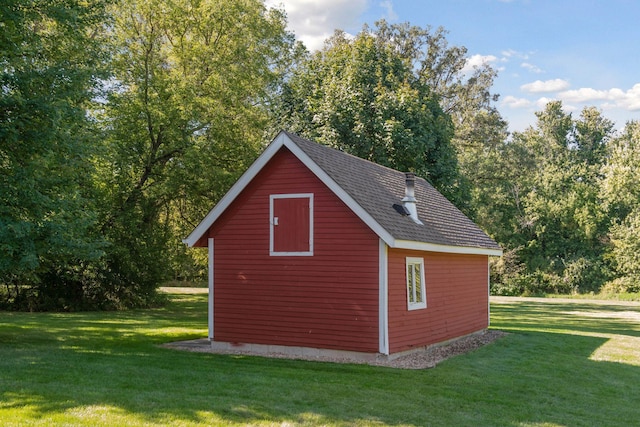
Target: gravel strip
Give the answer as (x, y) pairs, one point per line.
(433, 355)
(427, 358)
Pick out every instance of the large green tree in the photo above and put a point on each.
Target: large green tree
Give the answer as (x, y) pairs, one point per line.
(50, 62)
(364, 95)
(620, 193)
(464, 93)
(186, 114)
(558, 224)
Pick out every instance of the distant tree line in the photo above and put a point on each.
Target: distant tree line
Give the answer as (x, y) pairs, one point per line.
(122, 123)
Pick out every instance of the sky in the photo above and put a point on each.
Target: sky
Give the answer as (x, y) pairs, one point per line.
(582, 52)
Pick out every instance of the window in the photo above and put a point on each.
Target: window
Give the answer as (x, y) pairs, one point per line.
(416, 295)
(291, 224)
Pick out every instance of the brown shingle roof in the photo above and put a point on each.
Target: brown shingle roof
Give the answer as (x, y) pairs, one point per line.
(377, 188)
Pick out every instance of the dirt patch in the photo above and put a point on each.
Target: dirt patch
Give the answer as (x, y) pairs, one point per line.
(422, 359)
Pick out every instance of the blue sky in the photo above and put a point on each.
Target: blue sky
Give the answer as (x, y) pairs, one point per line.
(582, 52)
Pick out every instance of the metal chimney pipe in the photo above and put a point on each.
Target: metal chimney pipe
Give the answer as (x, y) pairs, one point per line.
(409, 201)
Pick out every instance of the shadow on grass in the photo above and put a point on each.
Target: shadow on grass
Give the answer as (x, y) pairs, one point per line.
(92, 367)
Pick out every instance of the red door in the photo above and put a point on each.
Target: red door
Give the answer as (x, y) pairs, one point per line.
(291, 224)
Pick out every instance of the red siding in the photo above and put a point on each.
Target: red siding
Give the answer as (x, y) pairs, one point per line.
(457, 299)
(328, 300)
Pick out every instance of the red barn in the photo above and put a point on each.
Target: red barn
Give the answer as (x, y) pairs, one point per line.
(314, 251)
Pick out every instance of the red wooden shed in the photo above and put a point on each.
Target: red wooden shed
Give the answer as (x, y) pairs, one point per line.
(314, 251)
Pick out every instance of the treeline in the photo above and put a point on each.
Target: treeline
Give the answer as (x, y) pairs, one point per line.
(123, 122)
(564, 203)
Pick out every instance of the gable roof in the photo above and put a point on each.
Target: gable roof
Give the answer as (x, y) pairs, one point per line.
(370, 191)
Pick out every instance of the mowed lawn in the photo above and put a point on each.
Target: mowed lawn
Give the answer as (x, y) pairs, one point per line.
(563, 364)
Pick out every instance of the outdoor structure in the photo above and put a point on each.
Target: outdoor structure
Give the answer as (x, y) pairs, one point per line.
(315, 251)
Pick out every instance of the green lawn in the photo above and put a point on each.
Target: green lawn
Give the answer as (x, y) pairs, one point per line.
(564, 364)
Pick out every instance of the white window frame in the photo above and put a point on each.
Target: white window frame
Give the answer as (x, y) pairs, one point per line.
(410, 263)
(272, 224)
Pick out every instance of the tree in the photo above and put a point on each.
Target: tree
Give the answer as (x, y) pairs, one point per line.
(625, 252)
(621, 196)
(621, 173)
(561, 223)
(50, 66)
(363, 96)
(479, 131)
(185, 116)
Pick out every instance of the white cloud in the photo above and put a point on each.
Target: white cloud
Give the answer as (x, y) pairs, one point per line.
(632, 98)
(542, 102)
(478, 61)
(617, 102)
(513, 102)
(388, 6)
(540, 86)
(533, 68)
(615, 98)
(313, 21)
(524, 103)
(586, 94)
(511, 53)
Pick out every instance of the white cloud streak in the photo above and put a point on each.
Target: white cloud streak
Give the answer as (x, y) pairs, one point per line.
(575, 99)
(614, 98)
(313, 21)
(478, 61)
(513, 102)
(540, 86)
(391, 15)
(533, 68)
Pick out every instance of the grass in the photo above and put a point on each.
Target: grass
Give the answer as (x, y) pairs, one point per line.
(563, 364)
(609, 296)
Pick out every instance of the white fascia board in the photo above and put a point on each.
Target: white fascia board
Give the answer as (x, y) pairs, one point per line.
(433, 247)
(339, 191)
(211, 277)
(235, 190)
(383, 298)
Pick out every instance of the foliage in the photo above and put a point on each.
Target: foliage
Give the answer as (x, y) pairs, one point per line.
(480, 132)
(370, 96)
(184, 119)
(558, 218)
(101, 187)
(625, 250)
(49, 69)
(621, 195)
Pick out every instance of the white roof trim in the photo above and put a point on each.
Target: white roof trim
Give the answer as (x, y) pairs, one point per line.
(283, 140)
(339, 191)
(235, 190)
(434, 247)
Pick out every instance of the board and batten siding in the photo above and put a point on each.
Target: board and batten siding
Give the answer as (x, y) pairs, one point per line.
(327, 300)
(457, 299)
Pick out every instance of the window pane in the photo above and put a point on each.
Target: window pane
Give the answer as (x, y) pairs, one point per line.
(418, 286)
(416, 289)
(411, 282)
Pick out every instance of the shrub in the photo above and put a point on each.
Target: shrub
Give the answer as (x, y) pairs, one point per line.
(622, 285)
(583, 275)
